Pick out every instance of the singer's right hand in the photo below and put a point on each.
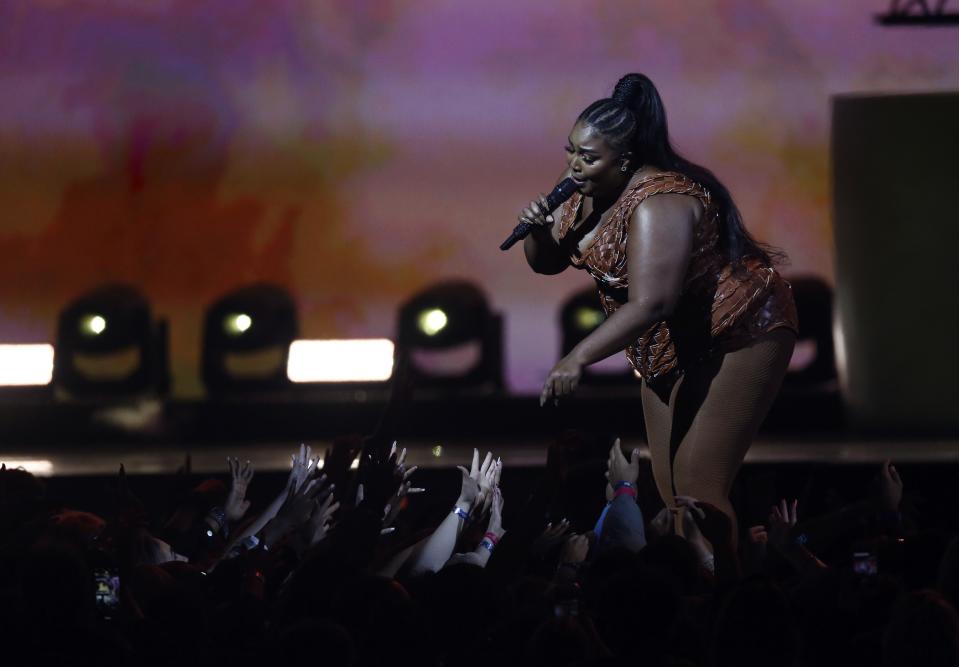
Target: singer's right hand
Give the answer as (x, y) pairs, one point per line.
(536, 214)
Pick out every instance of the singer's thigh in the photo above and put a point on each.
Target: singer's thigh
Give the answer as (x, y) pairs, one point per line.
(728, 412)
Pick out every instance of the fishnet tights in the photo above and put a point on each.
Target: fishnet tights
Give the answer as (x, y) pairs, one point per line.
(698, 434)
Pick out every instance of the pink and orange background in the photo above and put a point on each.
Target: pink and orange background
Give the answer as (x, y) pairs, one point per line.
(356, 151)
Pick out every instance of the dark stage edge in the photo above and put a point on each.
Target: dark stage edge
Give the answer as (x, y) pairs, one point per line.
(43, 422)
(151, 437)
(275, 456)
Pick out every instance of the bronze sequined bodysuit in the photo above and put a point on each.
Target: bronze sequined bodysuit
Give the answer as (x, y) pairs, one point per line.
(718, 310)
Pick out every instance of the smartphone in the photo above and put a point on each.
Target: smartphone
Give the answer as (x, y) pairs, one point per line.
(865, 563)
(107, 591)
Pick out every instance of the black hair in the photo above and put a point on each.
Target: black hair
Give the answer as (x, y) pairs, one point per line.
(633, 120)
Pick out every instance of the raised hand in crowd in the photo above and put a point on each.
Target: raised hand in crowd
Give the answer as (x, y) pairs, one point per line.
(337, 462)
(496, 514)
(552, 535)
(717, 528)
(130, 511)
(758, 536)
(321, 520)
(713, 523)
(621, 471)
(493, 473)
(494, 532)
(400, 499)
(381, 474)
(401, 471)
(296, 510)
(236, 504)
(303, 465)
(781, 535)
(782, 521)
(754, 549)
(486, 476)
(469, 485)
(621, 524)
(777, 533)
(664, 521)
(824, 530)
(890, 488)
(437, 549)
(695, 537)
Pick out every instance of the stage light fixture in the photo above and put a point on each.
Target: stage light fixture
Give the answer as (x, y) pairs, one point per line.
(246, 340)
(334, 361)
(453, 339)
(108, 345)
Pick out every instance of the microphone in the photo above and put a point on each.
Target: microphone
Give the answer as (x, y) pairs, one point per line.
(563, 191)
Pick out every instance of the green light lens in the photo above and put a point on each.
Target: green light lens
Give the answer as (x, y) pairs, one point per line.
(432, 321)
(588, 319)
(237, 324)
(93, 325)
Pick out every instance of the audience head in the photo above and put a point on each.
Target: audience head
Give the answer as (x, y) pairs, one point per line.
(923, 630)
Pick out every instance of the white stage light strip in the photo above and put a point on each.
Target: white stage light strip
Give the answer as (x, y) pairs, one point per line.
(26, 365)
(358, 360)
(39, 467)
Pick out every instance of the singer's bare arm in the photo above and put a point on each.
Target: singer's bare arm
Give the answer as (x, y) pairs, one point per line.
(658, 249)
(543, 252)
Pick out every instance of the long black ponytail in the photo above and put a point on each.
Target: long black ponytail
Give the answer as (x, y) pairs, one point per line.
(633, 120)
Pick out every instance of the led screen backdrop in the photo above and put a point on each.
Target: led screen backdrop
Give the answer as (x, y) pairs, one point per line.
(356, 151)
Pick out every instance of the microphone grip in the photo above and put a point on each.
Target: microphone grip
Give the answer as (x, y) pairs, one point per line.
(563, 191)
(520, 231)
(557, 197)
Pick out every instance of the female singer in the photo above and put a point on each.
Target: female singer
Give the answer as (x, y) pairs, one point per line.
(704, 318)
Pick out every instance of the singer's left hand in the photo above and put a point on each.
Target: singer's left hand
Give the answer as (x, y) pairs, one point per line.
(562, 380)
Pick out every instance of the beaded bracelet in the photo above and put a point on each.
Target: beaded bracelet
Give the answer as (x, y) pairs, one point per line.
(492, 537)
(461, 513)
(487, 544)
